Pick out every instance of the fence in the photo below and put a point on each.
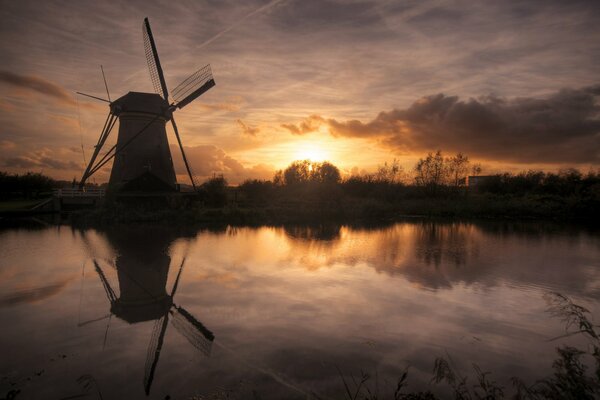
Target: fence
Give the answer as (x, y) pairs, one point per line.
(79, 193)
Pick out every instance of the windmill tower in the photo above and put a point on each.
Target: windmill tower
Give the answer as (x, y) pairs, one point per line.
(142, 267)
(142, 158)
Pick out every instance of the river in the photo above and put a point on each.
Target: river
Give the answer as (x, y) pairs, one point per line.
(285, 311)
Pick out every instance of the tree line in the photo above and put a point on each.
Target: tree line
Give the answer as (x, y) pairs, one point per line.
(29, 185)
(432, 175)
(436, 186)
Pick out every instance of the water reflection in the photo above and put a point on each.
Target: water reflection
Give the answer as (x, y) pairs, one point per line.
(325, 232)
(142, 265)
(439, 255)
(289, 304)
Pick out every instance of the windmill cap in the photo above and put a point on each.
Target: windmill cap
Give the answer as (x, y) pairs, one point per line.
(148, 103)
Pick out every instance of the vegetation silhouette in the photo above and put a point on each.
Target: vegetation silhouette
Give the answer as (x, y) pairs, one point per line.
(437, 186)
(571, 379)
(311, 192)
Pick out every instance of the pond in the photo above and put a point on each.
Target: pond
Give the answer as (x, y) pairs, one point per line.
(282, 312)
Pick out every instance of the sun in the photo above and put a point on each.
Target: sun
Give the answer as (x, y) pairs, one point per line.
(311, 151)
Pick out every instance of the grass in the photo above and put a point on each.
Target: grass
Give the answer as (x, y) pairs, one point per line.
(23, 204)
(571, 378)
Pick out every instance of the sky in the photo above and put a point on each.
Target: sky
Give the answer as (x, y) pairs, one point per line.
(515, 85)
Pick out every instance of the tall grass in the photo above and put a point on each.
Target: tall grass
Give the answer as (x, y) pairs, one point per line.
(571, 379)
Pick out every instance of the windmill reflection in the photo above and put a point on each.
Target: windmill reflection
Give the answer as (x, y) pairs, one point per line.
(142, 267)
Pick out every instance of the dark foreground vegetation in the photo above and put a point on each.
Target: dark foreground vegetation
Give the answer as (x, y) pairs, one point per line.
(27, 186)
(308, 191)
(576, 372)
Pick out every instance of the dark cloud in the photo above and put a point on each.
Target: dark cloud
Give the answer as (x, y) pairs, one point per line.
(33, 295)
(309, 15)
(38, 85)
(20, 162)
(564, 127)
(39, 161)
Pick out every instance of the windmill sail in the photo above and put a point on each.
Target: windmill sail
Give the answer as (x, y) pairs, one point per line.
(193, 87)
(110, 293)
(154, 348)
(192, 329)
(156, 72)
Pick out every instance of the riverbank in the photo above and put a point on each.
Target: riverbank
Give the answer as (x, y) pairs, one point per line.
(347, 210)
(282, 206)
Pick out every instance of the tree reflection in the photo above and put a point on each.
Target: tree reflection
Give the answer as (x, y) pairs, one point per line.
(438, 254)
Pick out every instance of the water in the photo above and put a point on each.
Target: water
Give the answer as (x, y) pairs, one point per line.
(278, 312)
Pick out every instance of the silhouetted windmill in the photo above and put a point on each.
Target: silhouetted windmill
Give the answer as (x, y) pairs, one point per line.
(142, 272)
(160, 307)
(142, 159)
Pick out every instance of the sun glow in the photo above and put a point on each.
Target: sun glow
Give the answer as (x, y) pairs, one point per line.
(312, 152)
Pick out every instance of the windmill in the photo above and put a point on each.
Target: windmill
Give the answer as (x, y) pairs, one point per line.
(142, 158)
(142, 272)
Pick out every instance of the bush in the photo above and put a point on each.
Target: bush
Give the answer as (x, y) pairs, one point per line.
(214, 192)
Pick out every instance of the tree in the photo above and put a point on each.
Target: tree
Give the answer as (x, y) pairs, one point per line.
(305, 171)
(457, 168)
(215, 191)
(278, 179)
(390, 173)
(430, 172)
(325, 173)
(298, 172)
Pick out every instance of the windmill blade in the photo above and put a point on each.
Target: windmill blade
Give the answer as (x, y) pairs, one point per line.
(110, 293)
(154, 348)
(91, 321)
(176, 284)
(185, 160)
(105, 84)
(93, 97)
(193, 87)
(192, 329)
(156, 72)
(106, 332)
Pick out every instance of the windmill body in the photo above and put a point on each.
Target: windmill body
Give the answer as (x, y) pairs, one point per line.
(147, 165)
(142, 278)
(142, 158)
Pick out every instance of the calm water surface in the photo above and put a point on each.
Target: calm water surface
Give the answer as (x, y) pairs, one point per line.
(276, 311)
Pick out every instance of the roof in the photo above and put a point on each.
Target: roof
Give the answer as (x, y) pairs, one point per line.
(150, 103)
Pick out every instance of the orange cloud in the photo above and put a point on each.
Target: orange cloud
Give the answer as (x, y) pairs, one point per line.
(310, 124)
(246, 129)
(208, 160)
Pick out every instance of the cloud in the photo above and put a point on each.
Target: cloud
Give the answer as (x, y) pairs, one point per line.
(55, 159)
(231, 104)
(33, 295)
(7, 145)
(38, 85)
(246, 129)
(208, 160)
(310, 124)
(563, 127)
(29, 162)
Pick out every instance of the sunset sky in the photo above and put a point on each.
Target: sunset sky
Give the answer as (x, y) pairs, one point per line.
(513, 84)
